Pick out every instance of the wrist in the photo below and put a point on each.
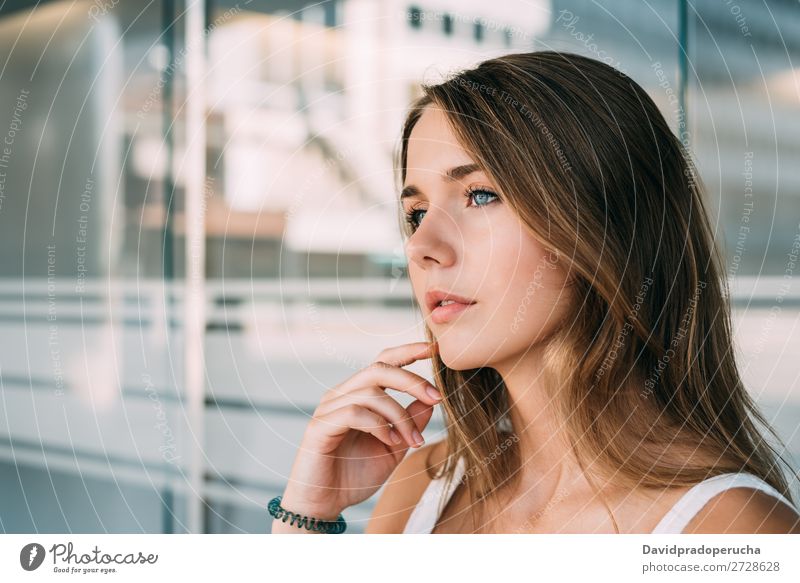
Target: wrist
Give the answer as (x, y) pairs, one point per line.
(291, 521)
(298, 505)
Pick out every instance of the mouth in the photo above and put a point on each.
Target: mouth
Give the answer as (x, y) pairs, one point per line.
(444, 306)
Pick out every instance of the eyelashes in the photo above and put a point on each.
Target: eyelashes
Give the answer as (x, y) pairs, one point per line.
(412, 217)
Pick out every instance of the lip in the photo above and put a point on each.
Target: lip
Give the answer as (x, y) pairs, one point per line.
(443, 314)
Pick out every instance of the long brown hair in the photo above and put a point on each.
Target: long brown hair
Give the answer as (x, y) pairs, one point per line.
(647, 381)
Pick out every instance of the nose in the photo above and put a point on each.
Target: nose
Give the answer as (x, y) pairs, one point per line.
(430, 244)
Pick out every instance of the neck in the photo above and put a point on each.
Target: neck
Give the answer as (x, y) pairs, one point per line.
(546, 455)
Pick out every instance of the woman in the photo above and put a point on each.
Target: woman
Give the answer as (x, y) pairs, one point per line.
(583, 354)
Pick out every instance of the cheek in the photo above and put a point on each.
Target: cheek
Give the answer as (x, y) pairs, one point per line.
(526, 288)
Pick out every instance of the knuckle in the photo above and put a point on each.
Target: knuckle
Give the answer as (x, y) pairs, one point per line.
(373, 392)
(352, 409)
(329, 395)
(314, 425)
(334, 392)
(379, 363)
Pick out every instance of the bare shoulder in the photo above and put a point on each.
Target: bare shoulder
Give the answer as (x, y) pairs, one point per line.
(404, 488)
(744, 511)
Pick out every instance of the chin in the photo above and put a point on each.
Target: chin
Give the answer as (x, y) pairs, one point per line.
(458, 356)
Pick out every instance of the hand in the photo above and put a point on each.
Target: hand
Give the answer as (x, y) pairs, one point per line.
(357, 436)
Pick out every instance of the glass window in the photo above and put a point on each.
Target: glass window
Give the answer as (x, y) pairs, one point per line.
(305, 275)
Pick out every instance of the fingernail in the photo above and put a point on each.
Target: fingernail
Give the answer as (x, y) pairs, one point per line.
(418, 439)
(395, 436)
(434, 393)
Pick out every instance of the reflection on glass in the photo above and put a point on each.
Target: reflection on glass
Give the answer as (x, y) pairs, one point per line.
(304, 262)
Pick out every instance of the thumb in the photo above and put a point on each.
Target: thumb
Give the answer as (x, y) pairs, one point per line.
(421, 413)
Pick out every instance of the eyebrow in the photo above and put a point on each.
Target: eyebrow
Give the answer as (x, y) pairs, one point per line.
(453, 174)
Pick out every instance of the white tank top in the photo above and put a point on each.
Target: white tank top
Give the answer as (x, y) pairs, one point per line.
(425, 515)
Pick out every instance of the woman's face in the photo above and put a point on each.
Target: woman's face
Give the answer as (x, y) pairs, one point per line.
(467, 241)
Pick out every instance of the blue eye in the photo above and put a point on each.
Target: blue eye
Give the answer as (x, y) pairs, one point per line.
(478, 194)
(411, 218)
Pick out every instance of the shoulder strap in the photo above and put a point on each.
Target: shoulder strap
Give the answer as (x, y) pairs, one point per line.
(700, 494)
(426, 512)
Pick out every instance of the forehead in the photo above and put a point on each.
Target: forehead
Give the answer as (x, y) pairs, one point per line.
(432, 145)
(433, 125)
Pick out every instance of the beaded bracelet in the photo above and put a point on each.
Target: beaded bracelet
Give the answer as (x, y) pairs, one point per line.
(314, 524)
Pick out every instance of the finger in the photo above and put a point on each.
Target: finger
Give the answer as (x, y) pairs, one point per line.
(383, 375)
(396, 377)
(339, 421)
(407, 353)
(375, 399)
(386, 376)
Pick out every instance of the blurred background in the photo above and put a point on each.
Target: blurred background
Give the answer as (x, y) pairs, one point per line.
(199, 233)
